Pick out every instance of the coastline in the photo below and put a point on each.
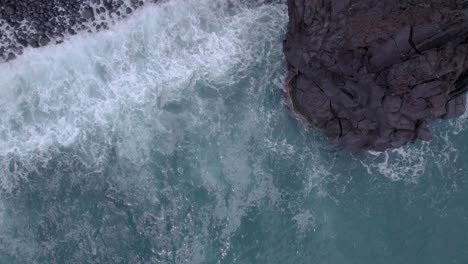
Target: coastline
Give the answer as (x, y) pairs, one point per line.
(41, 23)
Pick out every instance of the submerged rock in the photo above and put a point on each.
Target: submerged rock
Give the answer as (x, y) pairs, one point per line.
(375, 74)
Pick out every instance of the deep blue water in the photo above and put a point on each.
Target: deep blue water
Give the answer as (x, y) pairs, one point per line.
(166, 140)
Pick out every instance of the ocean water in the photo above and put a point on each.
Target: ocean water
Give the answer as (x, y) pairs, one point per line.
(166, 140)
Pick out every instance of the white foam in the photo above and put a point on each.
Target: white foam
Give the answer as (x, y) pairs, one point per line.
(136, 86)
(410, 162)
(305, 221)
(398, 164)
(54, 93)
(8, 36)
(457, 125)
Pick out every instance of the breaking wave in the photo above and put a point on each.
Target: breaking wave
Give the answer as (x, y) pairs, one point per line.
(165, 139)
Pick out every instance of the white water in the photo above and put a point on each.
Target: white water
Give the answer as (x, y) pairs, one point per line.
(134, 76)
(8, 36)
(147, 85)
(185, 92)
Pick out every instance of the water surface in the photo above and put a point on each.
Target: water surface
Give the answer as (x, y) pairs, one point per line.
(166, 140)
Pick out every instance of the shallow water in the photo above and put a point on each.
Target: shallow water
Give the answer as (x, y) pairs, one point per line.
(166, 140)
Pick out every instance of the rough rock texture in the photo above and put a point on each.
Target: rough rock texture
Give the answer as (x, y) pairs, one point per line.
(36, 23)
(374, 74)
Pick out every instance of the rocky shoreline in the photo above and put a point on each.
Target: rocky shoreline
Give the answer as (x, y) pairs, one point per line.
(36, 23)
(372, 74)
(375, 74)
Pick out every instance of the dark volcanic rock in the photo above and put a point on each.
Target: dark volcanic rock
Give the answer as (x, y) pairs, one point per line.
(88, 13)
(44, 40)
(375, 74)
(9, 10)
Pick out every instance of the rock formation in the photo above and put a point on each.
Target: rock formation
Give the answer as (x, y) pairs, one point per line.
(374, 74)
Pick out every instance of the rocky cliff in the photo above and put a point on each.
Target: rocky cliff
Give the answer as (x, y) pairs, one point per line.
(374, 74)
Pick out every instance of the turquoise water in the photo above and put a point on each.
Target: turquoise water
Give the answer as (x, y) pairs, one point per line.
(166, 140)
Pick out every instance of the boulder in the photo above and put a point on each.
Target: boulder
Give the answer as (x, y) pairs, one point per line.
(44, 40)
(9, 10)
(88, 13)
